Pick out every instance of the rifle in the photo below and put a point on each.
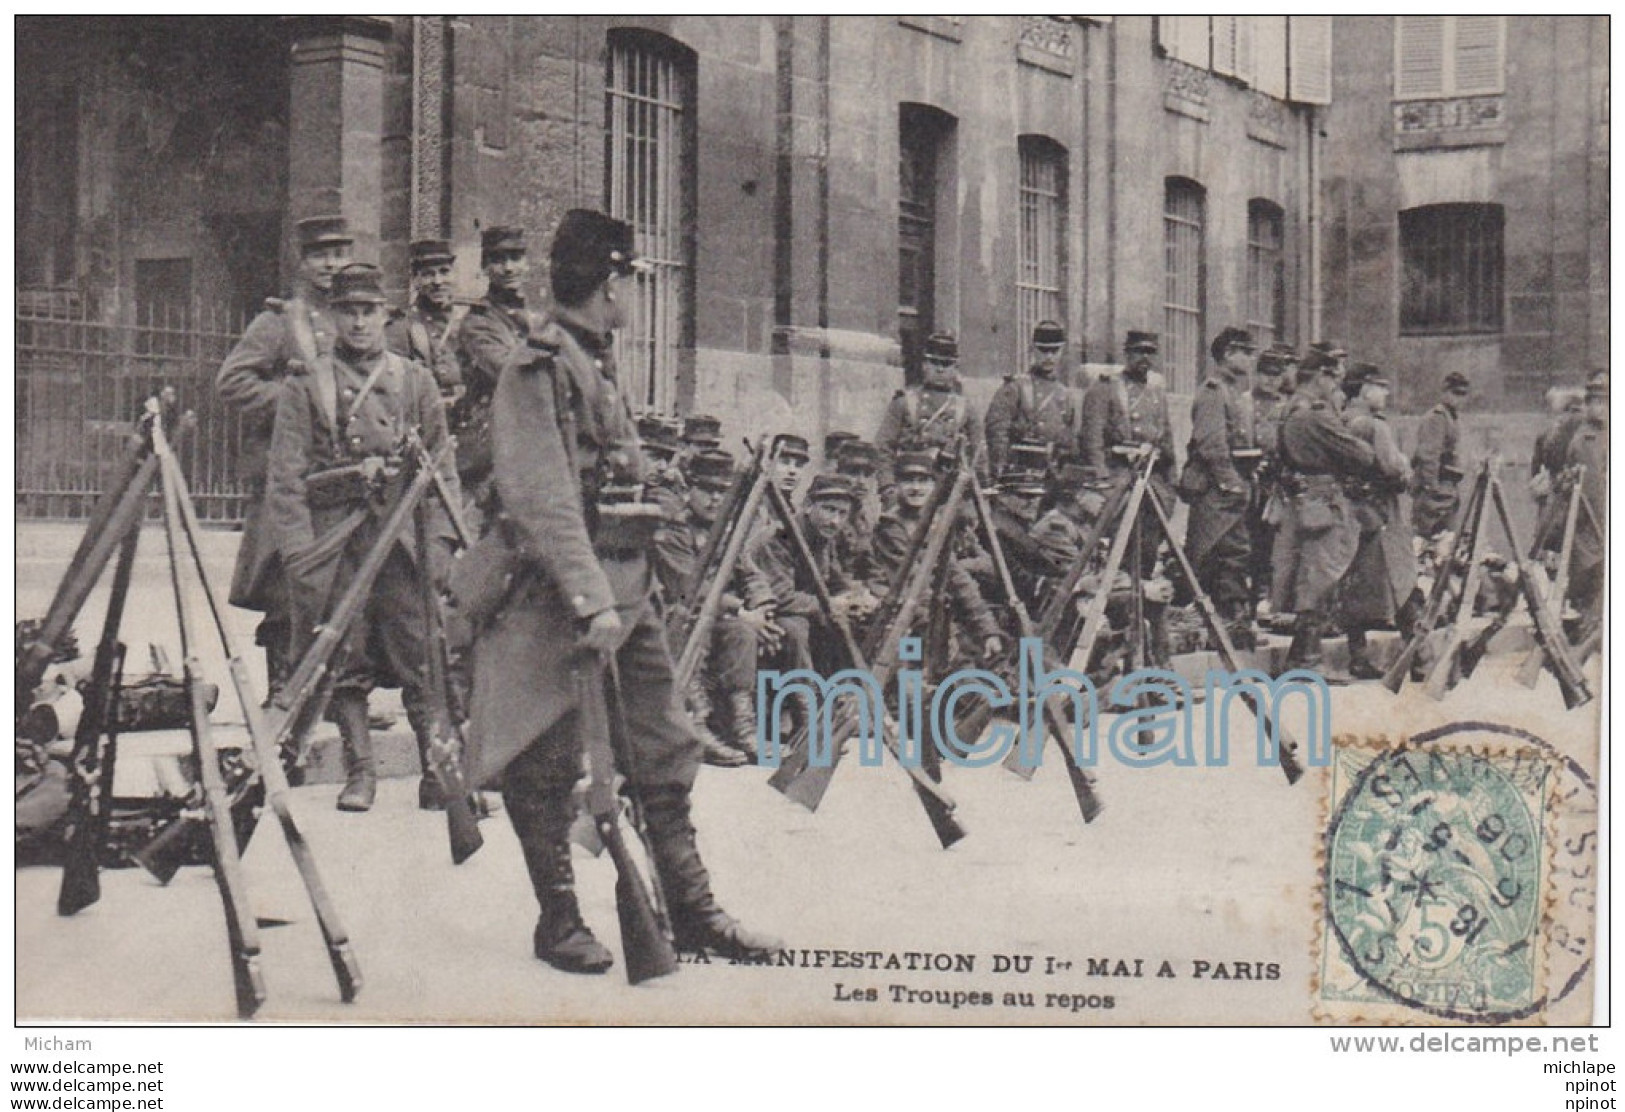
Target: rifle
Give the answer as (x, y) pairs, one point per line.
(241, 931)
(1439, 676)
(696, 623)
(796, 777)
(1461, 549)
(295, 708)
(732, 516)
(1529, 670)
(644, 945)
(1083, 785)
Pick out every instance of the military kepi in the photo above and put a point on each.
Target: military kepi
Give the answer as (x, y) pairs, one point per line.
(1140, 341)
(359, 283)
(1048, 334)
(500, 239)
(322, 231)
(431, 252)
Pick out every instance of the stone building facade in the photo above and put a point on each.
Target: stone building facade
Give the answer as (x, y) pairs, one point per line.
(817, 193)
(1466, 202)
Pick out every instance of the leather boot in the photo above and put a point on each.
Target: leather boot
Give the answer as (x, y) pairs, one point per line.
(1159, 648)
(1238, 622)
(349, 710)
(742, 706)
(698, 923)
(1360, 665)
(714, 752)
(1304, 652)
(542, 822)
(430, 795)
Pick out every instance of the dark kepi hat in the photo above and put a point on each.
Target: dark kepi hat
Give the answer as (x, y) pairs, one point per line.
(661, 433)
(942, 347)
(589, 247)
(1365, 374)
(834, 440)
(1229, 338)
(1597, 385)
(1028, 455)
(1331, 349)
(914, 463)
(358, 283)
(500, 239)
(1141, 341)
(703, 429)
(1276, 359)
(859, 455)
(430, 252)
(787, 445)
(1048, 334)
(1075, 477)
(320, 231)
(1457, 383)
(711, 469)
(831, 488)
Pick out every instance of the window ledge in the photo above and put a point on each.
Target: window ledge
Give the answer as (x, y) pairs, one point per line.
(1046, 43)
(1267, 120)
(1185, 90)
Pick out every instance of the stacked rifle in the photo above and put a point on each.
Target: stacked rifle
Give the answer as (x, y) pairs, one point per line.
(1441, 644)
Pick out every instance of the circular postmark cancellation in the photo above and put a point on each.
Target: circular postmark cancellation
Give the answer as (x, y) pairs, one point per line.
(1438, 859)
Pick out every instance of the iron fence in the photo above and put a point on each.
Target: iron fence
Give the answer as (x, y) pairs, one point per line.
(81, 384)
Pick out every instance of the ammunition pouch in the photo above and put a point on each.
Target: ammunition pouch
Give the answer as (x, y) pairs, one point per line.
(625, 529)
(1450, 473)
(349, 485)
(1316, 507)
(482, 577)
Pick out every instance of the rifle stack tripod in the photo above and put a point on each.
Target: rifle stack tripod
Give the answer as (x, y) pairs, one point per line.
(1130, 513)
(229, 812)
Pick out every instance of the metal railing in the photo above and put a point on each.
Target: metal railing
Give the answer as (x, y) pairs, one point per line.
(80, 385)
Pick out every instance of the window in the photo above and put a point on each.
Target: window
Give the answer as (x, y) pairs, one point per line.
(1184, 298)
(1041, 283)
(1452, 269)
(1285, 56)
(163, 306)
(650, 183)
(1449, 56)
(923, 134)
(1186, 38)
(1266, 272)
(47, 184)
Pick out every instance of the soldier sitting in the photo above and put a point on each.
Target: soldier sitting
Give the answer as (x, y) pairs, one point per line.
(1016, 505)
(663, 482)
(859, 463)
(728, 662)
(916, 476)
(789, 456)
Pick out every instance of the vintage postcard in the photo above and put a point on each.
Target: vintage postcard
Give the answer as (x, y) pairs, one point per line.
(939, 520)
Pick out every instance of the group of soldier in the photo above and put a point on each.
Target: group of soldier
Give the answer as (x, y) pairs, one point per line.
(1293, 477)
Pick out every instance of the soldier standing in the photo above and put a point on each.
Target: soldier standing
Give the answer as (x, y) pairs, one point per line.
(335, 452)
(1035, 406)
(1121, 414)
(286, 339)
(1589, 450)
(427, 330)
(934, 415)
(1548, 460)
(1318, 536)
(1277, 370)
(1377, 589)
(495, 328)
(560, 429)
(1217, 481)
(1435, 465)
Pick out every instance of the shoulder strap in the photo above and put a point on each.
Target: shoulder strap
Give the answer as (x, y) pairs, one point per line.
(911, 408)
(319, 363)
(422, 346)
(1025, 391)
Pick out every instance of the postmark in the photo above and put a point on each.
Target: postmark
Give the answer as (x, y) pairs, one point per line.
(1437, 871)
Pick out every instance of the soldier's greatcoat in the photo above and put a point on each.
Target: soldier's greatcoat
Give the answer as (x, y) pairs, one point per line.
(250, 382)
(320, 545)
(554, 421)
(1383, 573)
(494, 330)
(1118, 411)
(1435, 497)
(425, 334)
(921, 418)
(1217, 539)
(1318, 536)
(1588, 448)
(1031, 407)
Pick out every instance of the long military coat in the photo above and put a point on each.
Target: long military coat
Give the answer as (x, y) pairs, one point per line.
(1384, 570)
(1221, 422)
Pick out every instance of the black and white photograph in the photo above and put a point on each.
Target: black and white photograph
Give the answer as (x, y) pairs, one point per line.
(813, 520)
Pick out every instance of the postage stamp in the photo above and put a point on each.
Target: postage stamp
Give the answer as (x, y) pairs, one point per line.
(1437, 871)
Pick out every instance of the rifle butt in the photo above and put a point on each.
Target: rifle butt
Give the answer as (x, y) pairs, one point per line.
(462, 829)
(644, 947)
(81, 875)
(947, 826)
(809, 788)
(1439, 679)
(163, 856)
(1394, 678)
(1528, 674)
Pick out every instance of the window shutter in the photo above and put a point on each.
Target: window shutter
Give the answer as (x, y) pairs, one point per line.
(1419, 56)
(1309, 41)
(1478, 54)
(1244, 47)
(1225, 34)
(1185, 37)
(1269, 54)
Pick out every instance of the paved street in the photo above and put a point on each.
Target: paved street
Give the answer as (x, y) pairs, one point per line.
(1187, 865)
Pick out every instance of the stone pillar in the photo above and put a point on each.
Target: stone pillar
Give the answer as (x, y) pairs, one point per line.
(336, 121)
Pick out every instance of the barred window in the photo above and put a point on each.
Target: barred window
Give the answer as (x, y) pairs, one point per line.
(1452, 273)
(650, 183)
(1041, 282)
(1185, 296)
(1266, 271)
